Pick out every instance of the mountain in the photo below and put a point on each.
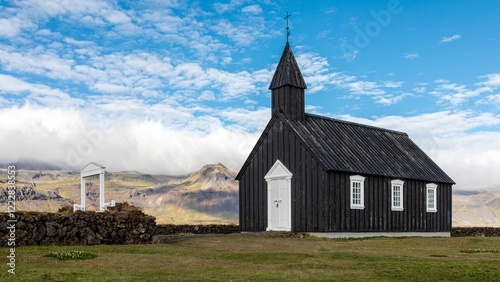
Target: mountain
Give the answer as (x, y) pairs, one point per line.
(476, 208)
(209, 195)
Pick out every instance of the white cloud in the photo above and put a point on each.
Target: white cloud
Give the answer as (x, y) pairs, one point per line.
(222, 8)
(218, 145)
(116, 17)
(411, 56)
(251, 121)
(318, 77)
(207, 95)
(37, 92)
(420, 88)
(491, 99)
(241, 34)
(9, 27)
(13, 85)
(226, 60)
(457, 94)
(133, 73)
(74, 9)
(492, 79)
(392, 84)
(252, 9)
(41, 62)
(233, 85)
(27, 16)
(80, 43)
(450, 39)
(391, 99)
(52, 129)
(110, 88)
(311, 64)
(88, 20)
(71, 138)
(364, 88)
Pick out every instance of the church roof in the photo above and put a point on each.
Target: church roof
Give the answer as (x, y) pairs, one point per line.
(361, 149)
(358, 149)
(287, 72)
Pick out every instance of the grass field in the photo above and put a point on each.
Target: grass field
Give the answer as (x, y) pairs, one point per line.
(250, 258)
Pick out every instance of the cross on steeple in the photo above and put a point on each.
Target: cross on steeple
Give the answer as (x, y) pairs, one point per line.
(287, 28)
(287, 87)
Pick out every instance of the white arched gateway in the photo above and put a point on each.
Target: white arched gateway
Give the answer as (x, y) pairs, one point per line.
(92, 169)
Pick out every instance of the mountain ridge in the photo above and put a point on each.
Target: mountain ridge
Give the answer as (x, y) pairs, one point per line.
(209, 195)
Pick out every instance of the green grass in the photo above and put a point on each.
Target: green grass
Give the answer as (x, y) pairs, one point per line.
(249, 258)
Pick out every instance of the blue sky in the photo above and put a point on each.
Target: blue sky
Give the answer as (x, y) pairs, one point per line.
(167, 86)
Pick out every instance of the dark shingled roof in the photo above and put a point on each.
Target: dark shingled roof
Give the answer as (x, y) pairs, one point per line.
(361, 149)
(287, 72)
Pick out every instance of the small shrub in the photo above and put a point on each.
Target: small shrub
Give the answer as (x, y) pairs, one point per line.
(65, 209)
(126, 207)
(78, 255)
(476, 251)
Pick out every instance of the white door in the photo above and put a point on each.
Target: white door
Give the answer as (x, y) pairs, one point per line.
(278, 196)
(273, 204)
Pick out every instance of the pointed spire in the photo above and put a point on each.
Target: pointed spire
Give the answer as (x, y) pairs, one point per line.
(287, 71)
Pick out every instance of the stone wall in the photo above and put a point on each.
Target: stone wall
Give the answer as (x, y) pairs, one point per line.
(475, 232)
(121, 225)
(78, 228)
(170, 229)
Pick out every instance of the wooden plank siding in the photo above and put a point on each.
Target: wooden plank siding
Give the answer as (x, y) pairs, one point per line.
(320, 200)
(306, 203)
(377, 216)
(289, 100)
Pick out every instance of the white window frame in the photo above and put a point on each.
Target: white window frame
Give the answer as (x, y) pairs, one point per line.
(431, 187)
(361, 180)
(397, 183)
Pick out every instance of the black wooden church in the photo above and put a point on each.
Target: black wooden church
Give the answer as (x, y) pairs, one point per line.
(309, 173)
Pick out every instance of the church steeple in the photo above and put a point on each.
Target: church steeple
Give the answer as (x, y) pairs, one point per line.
(288, 86)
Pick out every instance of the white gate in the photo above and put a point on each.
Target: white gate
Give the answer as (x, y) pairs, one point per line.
(89, 170)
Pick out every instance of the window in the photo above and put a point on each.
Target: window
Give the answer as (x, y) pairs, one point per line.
(397, 195)
(357, 192)
(431, 197)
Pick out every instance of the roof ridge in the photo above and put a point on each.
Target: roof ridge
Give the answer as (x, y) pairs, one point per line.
(358, 124)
